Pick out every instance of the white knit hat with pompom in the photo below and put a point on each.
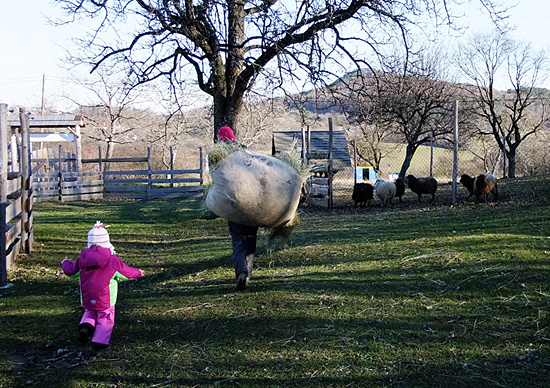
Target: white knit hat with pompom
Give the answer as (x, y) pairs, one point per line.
(98, 235)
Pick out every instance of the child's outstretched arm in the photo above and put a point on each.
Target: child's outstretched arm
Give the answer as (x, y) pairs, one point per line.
(69, 268)
(125, 272)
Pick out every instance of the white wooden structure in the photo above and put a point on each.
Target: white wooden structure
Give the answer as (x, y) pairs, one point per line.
(54, 129)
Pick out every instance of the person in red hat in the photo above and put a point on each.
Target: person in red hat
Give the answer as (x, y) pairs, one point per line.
(226, 134)
(243, 237)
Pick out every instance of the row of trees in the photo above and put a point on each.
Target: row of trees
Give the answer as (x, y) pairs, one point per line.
(239, 52)
(408, 99)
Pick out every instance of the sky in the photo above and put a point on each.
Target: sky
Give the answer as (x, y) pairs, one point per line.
(33, 49)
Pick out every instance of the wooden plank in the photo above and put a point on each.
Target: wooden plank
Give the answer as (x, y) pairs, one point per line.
(115, 160)
(51, 175)
(38, 166)
(13, 210)
(45, 185)
(109, 189)
(175, 172)
(177, 180)
(14, 232)
(318, 181)
(127, 172)
(81, 197)
(322, 202)
(43, 193)
(80, 174)
(126, 195)
(125, 181)
(13, 185)
(318, 191)
(81, 184)
(12, 255)
(81, 190)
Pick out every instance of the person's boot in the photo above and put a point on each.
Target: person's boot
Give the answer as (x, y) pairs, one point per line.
(85, 332)
(241, 281)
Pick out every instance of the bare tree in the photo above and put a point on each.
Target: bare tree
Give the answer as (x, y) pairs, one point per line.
(112, 111)
(229, 45)
(513, 115)
(406, 100)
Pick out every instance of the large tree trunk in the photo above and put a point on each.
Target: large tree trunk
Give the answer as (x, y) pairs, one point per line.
(109, 154)
(226, 112)
(511, 163)
(407, 162)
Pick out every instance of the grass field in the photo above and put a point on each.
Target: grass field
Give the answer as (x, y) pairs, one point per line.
(410, 296)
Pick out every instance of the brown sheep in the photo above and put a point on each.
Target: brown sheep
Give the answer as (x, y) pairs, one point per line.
(470, 183)
(422, 186)
(483, 185)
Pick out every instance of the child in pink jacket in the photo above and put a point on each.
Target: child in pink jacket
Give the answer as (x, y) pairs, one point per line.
(99, 270)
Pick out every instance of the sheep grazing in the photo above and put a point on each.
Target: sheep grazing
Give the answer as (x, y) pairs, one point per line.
(468, 182)
(362, 193)
(422, 186)
(399, 188)
(385, 191)
(485, 184)
(480, 186)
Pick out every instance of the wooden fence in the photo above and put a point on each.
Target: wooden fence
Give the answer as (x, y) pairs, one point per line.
(100, 183)
(16, 194)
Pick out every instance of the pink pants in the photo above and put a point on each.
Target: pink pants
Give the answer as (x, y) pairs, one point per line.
(103, 321)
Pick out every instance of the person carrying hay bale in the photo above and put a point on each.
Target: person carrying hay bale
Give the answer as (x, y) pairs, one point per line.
(250, 191)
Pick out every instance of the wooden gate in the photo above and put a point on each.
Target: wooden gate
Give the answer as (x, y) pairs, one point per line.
(16, 217)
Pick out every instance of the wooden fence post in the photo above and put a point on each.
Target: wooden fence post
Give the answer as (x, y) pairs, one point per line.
(3, 192)
(149, 169)
(60, 175)
(455, 153)
(355, 162)
(201, 166)
(330, 172)
(27, 234)
(171, 165)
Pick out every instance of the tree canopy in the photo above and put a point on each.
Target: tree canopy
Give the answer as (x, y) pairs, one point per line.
(230, 46)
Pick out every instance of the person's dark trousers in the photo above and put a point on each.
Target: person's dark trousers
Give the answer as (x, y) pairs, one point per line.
(244, 244)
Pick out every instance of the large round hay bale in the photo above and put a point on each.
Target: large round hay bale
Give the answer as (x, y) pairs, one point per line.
(253, 189)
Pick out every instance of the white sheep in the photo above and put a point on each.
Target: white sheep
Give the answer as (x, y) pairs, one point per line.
(385, 191)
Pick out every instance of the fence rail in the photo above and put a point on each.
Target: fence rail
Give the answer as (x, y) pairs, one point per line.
(120, 184)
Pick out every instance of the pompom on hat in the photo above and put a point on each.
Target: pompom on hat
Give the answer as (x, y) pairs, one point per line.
(226, 134)
(98, 235)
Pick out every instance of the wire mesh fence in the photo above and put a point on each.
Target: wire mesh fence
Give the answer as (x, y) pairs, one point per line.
(428, 161)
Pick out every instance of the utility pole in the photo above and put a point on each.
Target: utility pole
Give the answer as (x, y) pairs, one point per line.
(43, 94)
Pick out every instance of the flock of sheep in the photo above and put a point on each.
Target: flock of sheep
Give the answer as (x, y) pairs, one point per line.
(480, 186)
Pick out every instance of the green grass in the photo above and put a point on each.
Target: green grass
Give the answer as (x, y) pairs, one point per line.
(411, 296)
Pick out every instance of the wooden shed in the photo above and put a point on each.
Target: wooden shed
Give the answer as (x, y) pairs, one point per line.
(54, 129)
(317, 145)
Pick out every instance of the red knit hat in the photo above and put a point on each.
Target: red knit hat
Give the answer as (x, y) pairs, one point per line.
(225, 134)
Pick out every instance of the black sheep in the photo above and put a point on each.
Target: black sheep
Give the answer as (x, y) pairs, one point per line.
(362, 193)
(468, 182)
(422, 186)
(399, 189)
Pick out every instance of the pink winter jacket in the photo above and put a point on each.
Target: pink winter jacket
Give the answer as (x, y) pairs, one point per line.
(100, 272)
